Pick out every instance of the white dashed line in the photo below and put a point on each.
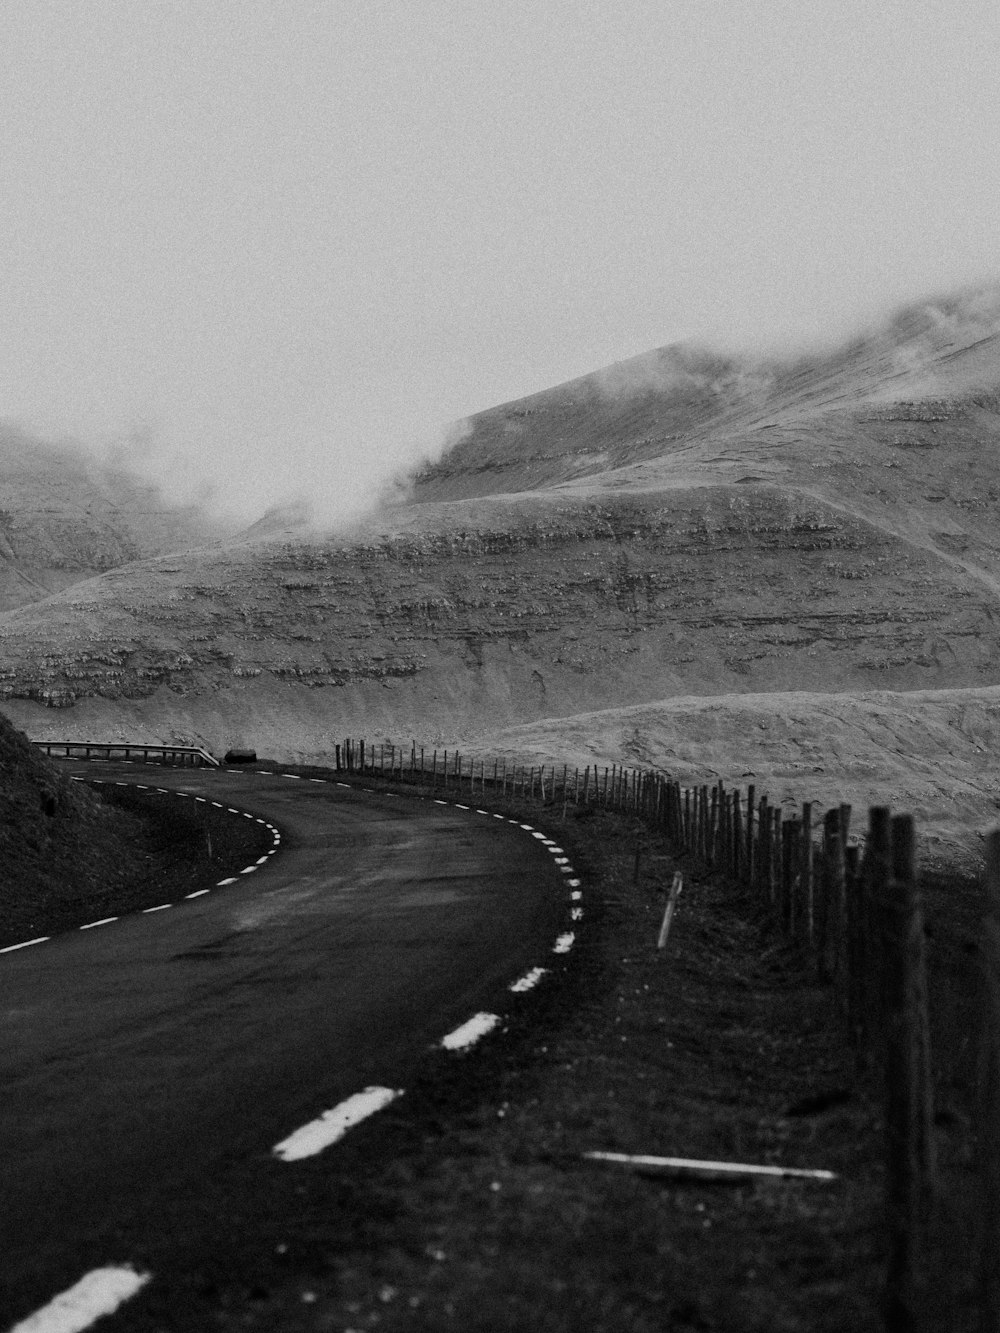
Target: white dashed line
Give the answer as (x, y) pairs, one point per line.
(564, 943)
(334, 1124)
(198, 893)
(103, 922)
(470, 1032)
(162, 908)
(529, 980)
(262, 859)
(25, 944)
(97, 1294)
(221, 882)
(294, 776)
(248, 870)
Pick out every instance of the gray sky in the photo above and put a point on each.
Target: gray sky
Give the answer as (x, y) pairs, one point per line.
(277, 243)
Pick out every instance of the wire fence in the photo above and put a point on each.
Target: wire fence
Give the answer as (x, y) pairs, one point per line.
(857, 906)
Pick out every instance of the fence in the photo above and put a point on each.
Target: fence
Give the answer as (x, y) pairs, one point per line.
(861, 915)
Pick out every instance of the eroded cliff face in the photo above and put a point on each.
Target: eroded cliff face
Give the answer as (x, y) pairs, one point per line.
(566, 605)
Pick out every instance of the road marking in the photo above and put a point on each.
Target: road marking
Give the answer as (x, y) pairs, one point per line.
(576, 895)
(573, 883)
(529, 980)
(261, 859)
(103, 922)
(98, 1293)
(292, 775)
(470, 1032)
(460, 807)
(225, 881)
(162, 908)
(576, 914)
(248, 870)
(25, 944)
(198, 893)
(334, 1124)
(564, 943)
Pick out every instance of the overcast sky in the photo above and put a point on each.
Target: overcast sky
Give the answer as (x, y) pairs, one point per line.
(280, 242)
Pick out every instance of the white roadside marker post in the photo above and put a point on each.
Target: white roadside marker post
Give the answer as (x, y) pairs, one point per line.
(675, 893)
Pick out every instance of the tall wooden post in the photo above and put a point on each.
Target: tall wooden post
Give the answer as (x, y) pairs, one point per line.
(749, 858)
(988, 1091)
(907, 1090)
(806, 875)
(764, 838)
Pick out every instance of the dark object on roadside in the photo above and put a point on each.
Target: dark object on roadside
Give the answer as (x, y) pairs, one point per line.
(240, 757)
(819, 1102)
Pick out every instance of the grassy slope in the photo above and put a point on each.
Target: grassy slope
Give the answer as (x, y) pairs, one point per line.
(61, 849)
(929, 752)
(71, 854)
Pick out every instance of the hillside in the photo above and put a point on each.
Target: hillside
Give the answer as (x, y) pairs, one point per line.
(682, 526)
(62, 850)
(65, 517)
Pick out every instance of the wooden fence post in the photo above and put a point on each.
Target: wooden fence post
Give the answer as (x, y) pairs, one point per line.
(806, 891)
(764, 851)
(736, 838)
(749, 859)
(908, 1116)
(988, 1091)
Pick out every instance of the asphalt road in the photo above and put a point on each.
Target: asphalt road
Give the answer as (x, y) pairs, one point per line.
(140, 1058)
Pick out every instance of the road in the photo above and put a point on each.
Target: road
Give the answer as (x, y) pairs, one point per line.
(140, 1058)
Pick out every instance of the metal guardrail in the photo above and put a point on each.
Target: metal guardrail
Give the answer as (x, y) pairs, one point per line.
(192, 756)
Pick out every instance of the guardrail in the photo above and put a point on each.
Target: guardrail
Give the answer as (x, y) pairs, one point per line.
(191, 756)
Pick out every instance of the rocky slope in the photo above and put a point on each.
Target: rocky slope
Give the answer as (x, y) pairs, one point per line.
(680, 525)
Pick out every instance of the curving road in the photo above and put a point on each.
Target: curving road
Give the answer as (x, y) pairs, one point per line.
(140, 1057)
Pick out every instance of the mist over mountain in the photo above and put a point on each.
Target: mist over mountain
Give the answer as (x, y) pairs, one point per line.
(687, 525)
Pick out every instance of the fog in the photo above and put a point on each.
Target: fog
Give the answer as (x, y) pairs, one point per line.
(266, 252)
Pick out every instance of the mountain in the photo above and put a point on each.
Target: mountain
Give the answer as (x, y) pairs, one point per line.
(65, 517)
(684, 525)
